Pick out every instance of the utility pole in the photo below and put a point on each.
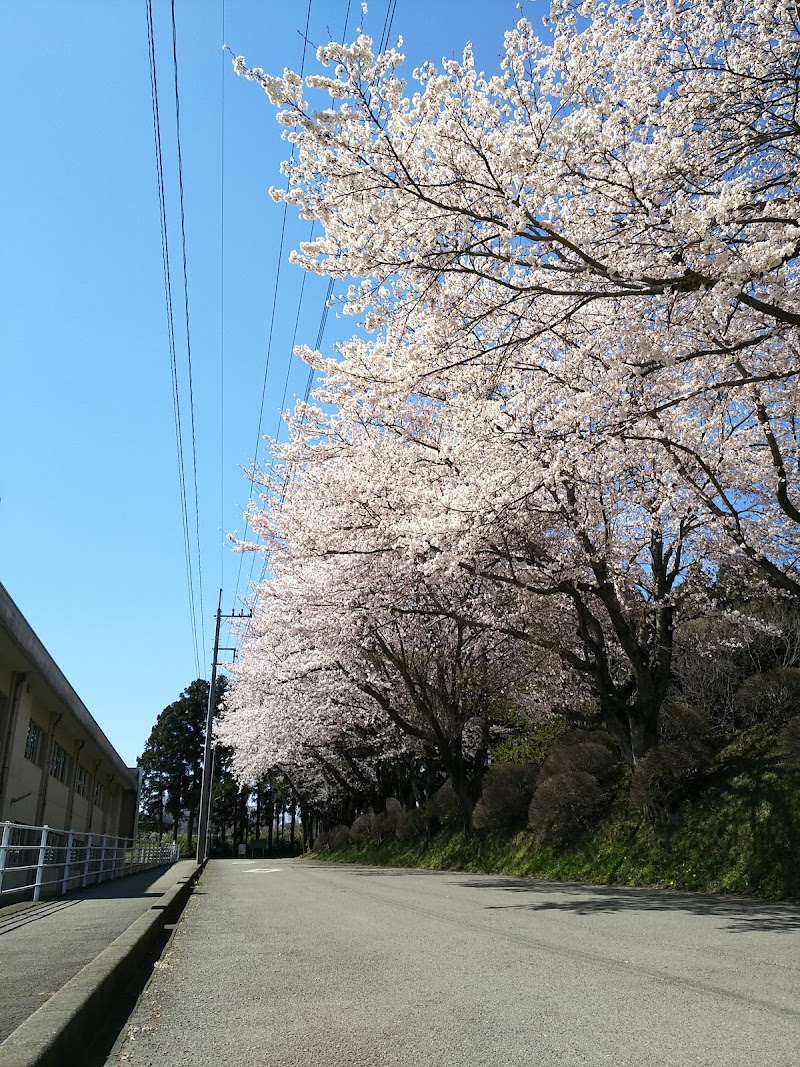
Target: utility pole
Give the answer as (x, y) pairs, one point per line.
(206, 790)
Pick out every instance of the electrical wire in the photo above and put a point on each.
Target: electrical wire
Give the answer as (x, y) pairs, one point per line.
(270, 334)
(223, 67)
(165, 256)
(188, 332)
(391, 7)
(309, 382)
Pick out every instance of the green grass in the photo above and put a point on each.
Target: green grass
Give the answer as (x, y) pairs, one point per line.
(740, 833)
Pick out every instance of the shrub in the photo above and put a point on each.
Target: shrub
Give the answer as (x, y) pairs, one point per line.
(442, 811)
(410, 825)
(507, 792)
(682, 723)
(362, 830)
(769, 696)
(591, 752)
(529, 744)
(661, 776)
(789, 744)
(384, 824)
(564, 805)
(322, 840)
(339, 837)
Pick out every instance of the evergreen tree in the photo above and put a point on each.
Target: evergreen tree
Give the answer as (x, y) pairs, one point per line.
(172, 761)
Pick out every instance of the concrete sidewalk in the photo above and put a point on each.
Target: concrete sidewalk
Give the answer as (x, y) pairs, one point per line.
(43, 946)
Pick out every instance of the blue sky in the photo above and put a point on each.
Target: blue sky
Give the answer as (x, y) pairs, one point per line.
(91, 543)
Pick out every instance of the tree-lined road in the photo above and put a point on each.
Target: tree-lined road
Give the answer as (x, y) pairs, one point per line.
(296, 963)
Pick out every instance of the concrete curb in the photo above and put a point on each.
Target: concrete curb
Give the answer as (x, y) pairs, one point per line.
(56, 1033)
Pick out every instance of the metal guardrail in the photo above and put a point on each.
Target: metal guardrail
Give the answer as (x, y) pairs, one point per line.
(36, 858)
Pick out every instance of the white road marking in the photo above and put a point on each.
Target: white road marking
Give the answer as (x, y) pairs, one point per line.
(264, 870)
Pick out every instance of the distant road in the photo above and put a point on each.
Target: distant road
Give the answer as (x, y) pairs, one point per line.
(290, 963)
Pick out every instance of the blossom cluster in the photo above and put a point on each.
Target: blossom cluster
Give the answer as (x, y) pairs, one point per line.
(573, 401)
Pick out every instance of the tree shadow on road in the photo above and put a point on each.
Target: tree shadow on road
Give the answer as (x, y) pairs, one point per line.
(738, 915)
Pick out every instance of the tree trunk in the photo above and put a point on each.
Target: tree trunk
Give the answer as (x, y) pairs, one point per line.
(458, 776)
(643, 732)
(634, 728)
(243, 815)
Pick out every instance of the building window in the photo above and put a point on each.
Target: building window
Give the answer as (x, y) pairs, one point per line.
(33, 742)
(98, 797)
(59, 763)
(81, 781)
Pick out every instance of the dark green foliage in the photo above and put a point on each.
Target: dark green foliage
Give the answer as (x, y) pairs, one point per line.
(738, 835)
(576, 754)
(410, 825)
(682, 724)
(172, 761)
(564, 806)
(339, 837)
(385, 823)
(362, 832)
(393, 811)
(789, 744)
(575, 783)
(382, 827)
(529, 744)
(771, 696)
(660, 779)
(323, 839)
(507, 792)
(442, 811)
(374, 827)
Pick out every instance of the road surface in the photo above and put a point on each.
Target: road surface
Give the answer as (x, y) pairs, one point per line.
(294, 963)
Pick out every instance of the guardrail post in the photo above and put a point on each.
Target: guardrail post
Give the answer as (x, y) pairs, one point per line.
(86, 862)
(67, 862)
(101, 868)
(4, 849)
(37, 889)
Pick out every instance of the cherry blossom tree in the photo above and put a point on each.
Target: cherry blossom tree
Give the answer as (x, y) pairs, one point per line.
(575, 392)
(622, 194)
(369, 640)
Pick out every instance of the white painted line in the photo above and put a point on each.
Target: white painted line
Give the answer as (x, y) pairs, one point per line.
(264, 870)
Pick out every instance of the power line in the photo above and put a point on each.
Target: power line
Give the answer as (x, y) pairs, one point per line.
(188, 332)
(310, 379)
(271, 327)
(171, 327)
(223, 67)
(391, 7)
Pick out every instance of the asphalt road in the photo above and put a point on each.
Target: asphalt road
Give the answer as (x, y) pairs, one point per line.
(286, 964)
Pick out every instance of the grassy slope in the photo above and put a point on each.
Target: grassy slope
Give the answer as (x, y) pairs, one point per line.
(740, 833)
